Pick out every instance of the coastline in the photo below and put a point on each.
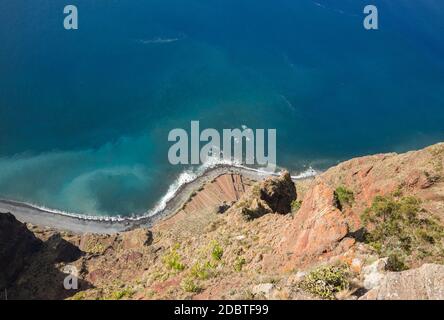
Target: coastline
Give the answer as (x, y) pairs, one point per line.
(28, 213)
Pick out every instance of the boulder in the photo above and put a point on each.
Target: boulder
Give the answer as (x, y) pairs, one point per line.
(424, 283)
(373, 274)
(263, 290)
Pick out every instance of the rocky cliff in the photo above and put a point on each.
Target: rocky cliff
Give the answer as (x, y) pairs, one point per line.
(369, 228)
(17, 245)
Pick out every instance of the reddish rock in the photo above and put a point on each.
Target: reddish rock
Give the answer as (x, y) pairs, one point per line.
(317, 229)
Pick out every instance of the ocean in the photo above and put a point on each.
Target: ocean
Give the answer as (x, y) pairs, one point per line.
(85, 114)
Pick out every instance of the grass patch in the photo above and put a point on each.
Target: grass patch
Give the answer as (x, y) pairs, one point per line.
(326, 281)
(397, 229)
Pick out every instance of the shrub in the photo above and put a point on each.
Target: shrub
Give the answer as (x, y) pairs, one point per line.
(296, 205)
(398, 192)
(239, 263)
(216, 251)
(395, 229)
(396, 262)
(189, 285)
(343, 197)
(326, 281)
(173, 260)
(202, 270)
(126, 293)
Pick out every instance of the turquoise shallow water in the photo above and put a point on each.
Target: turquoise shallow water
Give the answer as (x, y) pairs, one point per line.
(85, 114)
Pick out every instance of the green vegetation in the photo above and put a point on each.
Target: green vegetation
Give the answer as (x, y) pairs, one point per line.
(397, 229)
(189, 285)
(343, 197)
(396, 262)
(204, 267)
(398, 191)
(239, 263)
(202, 270)
(79, 296)
(126, 293)
(216, 252)
(326, 281)
(296, 205)
(172, 259)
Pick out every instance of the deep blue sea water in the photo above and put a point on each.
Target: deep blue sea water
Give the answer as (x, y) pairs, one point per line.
(85, 114)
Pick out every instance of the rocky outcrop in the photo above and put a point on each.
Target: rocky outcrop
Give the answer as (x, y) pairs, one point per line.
(374, 273)
(263, 290)
(273, 195)
(318, 229)
(278, 193)
(17, 245)
(424, 283)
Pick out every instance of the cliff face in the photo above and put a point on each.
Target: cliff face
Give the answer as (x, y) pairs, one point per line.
(17, 245)
(235, 238)
(321, 228)
(418, 173)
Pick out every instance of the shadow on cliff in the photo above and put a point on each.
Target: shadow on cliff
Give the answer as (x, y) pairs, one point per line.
(32, 268)
(44, 278)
